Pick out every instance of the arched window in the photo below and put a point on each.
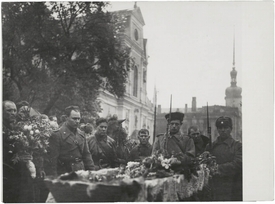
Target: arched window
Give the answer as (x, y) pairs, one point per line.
(135, 87)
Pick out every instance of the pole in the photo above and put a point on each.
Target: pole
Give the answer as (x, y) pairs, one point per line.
(208, 128)
(155, 119)
(169, 121)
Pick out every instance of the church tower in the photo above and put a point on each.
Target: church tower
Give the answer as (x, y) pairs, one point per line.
(233, 97)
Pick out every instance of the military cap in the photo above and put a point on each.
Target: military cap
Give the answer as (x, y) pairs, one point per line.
(175, 116)
(224, 122)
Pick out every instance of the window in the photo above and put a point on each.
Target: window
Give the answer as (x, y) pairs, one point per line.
(144, 75)
(135, 87)
(136, 35)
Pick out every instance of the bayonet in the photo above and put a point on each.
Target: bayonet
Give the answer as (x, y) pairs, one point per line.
(208, 128)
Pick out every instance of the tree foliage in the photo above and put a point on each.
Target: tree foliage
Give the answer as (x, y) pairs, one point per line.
(61, 53)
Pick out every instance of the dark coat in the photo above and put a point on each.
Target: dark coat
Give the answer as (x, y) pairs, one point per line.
(200, 144)
(176, 144)
(139, 152)
(69, 152)
(227, 185)
(11, 172)
(103, 152)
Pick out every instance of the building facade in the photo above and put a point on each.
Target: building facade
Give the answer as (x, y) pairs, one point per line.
(135, 106)
(198, 116)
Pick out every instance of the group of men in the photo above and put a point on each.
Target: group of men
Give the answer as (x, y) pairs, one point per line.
(70, 150)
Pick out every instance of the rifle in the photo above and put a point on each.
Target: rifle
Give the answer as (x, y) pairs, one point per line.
(169, 121)
(155, 115)
(208, 128)
(168, 127)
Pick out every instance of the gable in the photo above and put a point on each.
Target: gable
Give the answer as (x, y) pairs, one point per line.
(138, 15)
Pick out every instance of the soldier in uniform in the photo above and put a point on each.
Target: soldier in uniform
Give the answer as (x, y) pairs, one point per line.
(68, 147)
(143, 149)
(102, 147)
(175, 143)
(227, 183)
(200, 140)
(11, 171)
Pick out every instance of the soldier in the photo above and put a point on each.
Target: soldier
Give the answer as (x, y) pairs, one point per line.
(175, 143)
(14, 183)
(102, 147)
(68, 146)
(200, 140)
(11, 172)
(143, 149)
(227, 183)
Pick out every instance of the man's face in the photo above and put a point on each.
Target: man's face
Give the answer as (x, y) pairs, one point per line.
(143, 138)
(9, 112)
(224, 132)
(175, 126)
(74, 119)
(195, 135)
(23, 111)
(101, 129)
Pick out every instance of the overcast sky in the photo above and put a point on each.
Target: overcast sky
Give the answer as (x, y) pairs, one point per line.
(190, 45)
(191, 53)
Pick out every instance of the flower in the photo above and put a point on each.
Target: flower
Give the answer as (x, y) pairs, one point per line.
(25, 139)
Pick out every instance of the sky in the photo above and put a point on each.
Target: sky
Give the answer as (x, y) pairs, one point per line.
(190, 45)
(190, 48)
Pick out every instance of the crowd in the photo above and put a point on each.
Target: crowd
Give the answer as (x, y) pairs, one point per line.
(74, 145)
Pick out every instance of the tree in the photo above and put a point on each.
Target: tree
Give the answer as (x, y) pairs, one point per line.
(61, 53)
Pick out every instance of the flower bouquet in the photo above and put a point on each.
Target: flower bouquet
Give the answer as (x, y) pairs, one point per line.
(29, 142)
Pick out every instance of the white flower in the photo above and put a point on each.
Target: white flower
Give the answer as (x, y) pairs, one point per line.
(26, 127)
(29, 127)
(31, 132)
(37, 131)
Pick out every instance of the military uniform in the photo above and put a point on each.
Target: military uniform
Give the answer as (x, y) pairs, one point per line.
(139, 152)
(103, 151)
(227, 185)
(69, 151)
(175, 144)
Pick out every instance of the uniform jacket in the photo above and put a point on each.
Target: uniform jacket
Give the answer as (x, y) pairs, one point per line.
(69, 151)
(140, 151)
(227, 185)
(103, 151)
(175, 144)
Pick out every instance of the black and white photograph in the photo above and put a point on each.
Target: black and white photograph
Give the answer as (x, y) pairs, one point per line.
(145, 101)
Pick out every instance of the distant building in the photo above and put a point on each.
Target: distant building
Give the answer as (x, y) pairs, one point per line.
(135, 106)
(198, 116)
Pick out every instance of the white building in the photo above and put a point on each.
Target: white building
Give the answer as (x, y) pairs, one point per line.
(135, 106)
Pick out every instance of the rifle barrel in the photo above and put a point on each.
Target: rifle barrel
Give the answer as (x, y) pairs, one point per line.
(208, 127)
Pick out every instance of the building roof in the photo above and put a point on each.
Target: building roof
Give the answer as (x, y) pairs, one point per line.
(136, 12)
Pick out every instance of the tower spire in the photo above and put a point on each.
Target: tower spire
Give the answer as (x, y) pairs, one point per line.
(234, 50)
(135, 6)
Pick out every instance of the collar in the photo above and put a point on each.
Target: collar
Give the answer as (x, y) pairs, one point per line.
(66, 132)
(101, 138)
(70, 128)
(146, 145)
(227, 141)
